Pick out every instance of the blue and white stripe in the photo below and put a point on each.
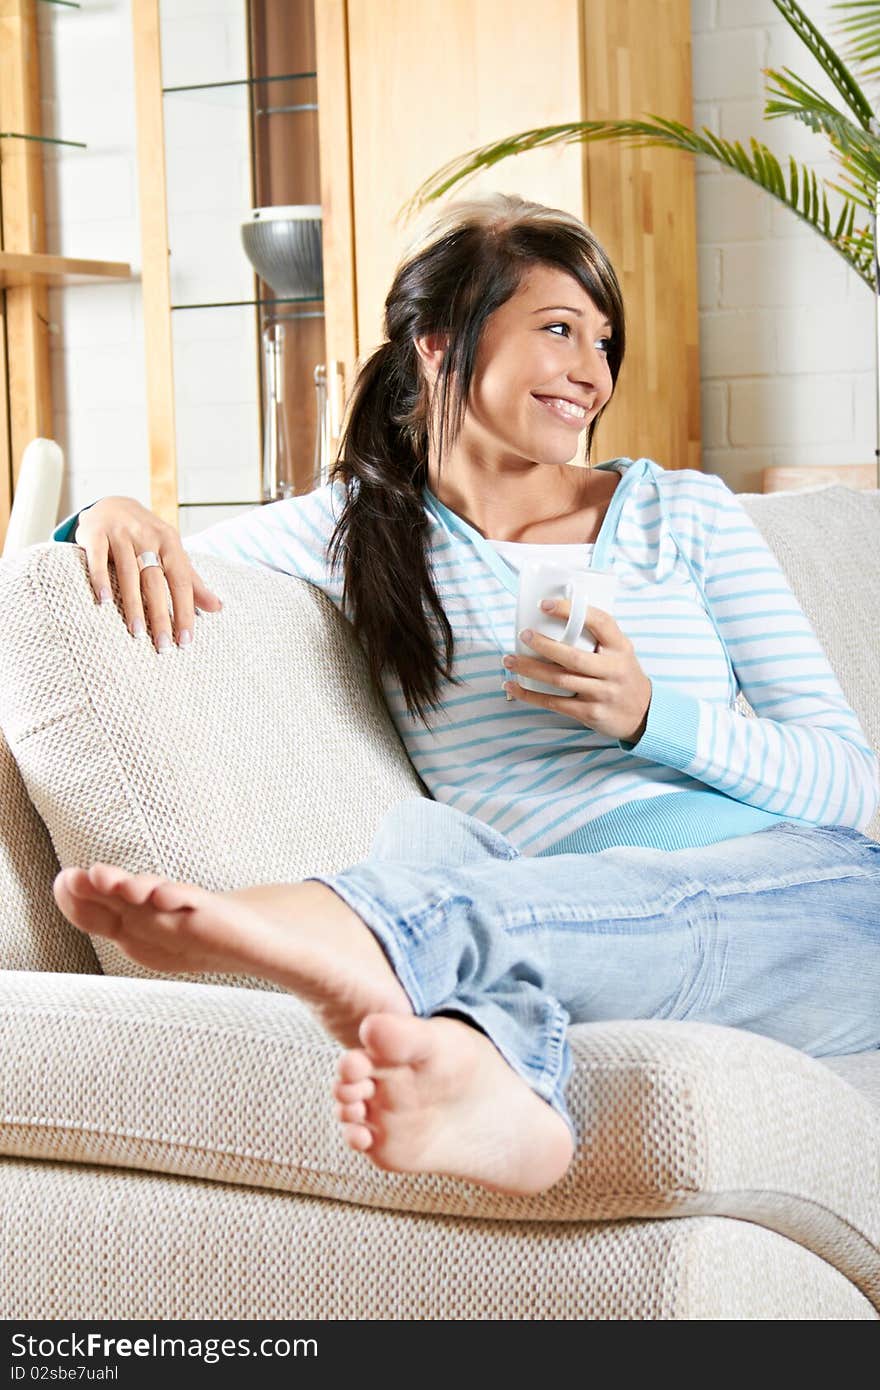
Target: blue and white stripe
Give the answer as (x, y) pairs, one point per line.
(709, 612)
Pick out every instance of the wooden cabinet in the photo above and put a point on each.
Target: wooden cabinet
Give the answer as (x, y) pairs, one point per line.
(402, 87)
(26, 271)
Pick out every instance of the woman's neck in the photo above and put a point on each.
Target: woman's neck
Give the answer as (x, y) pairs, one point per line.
(524, 508)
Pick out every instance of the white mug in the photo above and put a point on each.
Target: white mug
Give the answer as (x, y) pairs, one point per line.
(583, 588)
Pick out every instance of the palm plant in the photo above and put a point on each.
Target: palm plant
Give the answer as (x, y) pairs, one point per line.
(853, 134)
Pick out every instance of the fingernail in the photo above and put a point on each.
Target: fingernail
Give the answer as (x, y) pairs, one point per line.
(164, 642)
(185, 638)
(138, 628)
(526, 634)
(106, 596)
(547, 604)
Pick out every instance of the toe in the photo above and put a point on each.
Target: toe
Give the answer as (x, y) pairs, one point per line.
(73, 880)
(134, 889)
(357, 1136)
(351, 1113)
(106, 877)
(168, 896)
(393, 1040)
(354, 1065)
(354, 1090)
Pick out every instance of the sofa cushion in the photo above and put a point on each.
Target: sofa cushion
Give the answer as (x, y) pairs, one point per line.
(34, 934)
(256, 755)
(827, 540)
(672, 1118)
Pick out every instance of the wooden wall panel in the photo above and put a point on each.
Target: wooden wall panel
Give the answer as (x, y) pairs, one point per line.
(335, 137)
(155, 272)
(641, 205)
(429, 82)
(28, 408)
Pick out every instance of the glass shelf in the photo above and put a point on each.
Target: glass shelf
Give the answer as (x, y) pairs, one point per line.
(68, 4)
(241, 82)
(42, 139)
(244, 303)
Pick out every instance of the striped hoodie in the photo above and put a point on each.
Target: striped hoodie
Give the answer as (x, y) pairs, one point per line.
(709, 612)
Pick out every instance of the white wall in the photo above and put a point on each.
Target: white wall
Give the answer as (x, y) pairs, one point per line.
(787, 354)
(786, 326)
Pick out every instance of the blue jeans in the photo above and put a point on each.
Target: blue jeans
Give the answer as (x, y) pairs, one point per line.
(776, 932)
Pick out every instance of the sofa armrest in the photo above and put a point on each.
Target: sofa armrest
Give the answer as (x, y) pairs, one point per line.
(34, 935)
(212, 1081)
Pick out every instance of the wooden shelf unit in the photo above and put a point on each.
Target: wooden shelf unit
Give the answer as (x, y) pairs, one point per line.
(20, 269)
(27, 272)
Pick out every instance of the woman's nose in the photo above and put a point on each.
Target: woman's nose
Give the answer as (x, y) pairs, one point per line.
(593, 370)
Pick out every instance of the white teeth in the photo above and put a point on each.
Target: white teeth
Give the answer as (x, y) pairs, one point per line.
(577, 412)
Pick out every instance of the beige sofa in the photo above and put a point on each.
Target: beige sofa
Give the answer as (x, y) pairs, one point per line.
(170, 1148)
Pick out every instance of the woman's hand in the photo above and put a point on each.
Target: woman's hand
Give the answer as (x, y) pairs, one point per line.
(119, 528)
(612, 693)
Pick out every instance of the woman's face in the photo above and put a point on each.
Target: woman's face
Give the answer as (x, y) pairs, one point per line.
(547, 345)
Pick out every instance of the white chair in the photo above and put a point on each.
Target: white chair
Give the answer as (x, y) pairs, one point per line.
(34, 512)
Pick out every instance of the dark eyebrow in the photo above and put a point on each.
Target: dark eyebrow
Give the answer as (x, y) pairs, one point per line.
(554, 308)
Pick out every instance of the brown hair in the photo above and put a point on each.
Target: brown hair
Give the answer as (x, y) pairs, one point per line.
(469, 261)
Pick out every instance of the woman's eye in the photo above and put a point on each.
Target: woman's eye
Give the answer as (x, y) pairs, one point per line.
(567, 327)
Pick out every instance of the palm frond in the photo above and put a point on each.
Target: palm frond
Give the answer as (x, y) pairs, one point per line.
(863, 30)
(803, 195)
(857, 150)
(830, 62)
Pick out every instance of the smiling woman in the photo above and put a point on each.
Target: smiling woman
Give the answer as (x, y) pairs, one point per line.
(506, 335)
(631, 848)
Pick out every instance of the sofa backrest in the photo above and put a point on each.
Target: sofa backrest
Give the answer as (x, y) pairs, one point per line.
(259, 753)
(256, 755)
(827, 540)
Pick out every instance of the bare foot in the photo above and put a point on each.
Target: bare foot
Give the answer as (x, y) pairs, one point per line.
(434, 1095)
(415, 1094)
(317, 946)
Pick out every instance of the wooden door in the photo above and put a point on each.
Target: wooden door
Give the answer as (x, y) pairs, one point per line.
(428, 81)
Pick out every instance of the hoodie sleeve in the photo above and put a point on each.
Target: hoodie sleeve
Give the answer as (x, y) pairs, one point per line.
(806, 756)
(289, 536)
(66, 529)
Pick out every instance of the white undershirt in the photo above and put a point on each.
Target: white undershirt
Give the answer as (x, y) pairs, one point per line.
(514, 552)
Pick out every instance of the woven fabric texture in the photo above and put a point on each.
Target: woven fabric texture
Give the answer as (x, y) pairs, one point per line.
(673, 1118)
(260, 755)
(34, 935)
(104, 1243)
(256, 755)
(827, 541)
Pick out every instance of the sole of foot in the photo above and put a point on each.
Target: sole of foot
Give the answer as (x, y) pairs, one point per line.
(435, 1095)
(317, 947)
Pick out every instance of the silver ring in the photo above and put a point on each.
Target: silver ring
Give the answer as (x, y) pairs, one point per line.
(148, 558)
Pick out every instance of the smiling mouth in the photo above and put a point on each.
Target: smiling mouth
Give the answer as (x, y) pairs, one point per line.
(565, 411)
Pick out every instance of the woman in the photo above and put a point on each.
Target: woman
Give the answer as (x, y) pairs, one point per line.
(699, 864)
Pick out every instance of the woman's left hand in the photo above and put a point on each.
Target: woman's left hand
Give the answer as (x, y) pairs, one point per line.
(612, 693)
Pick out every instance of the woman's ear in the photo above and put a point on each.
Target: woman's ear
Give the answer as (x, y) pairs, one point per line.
(431, 348)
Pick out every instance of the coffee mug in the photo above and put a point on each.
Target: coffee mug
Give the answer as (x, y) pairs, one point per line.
(584, 589)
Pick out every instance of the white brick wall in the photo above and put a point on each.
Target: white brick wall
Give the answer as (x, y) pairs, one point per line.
(786, 327)
(787, 357)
